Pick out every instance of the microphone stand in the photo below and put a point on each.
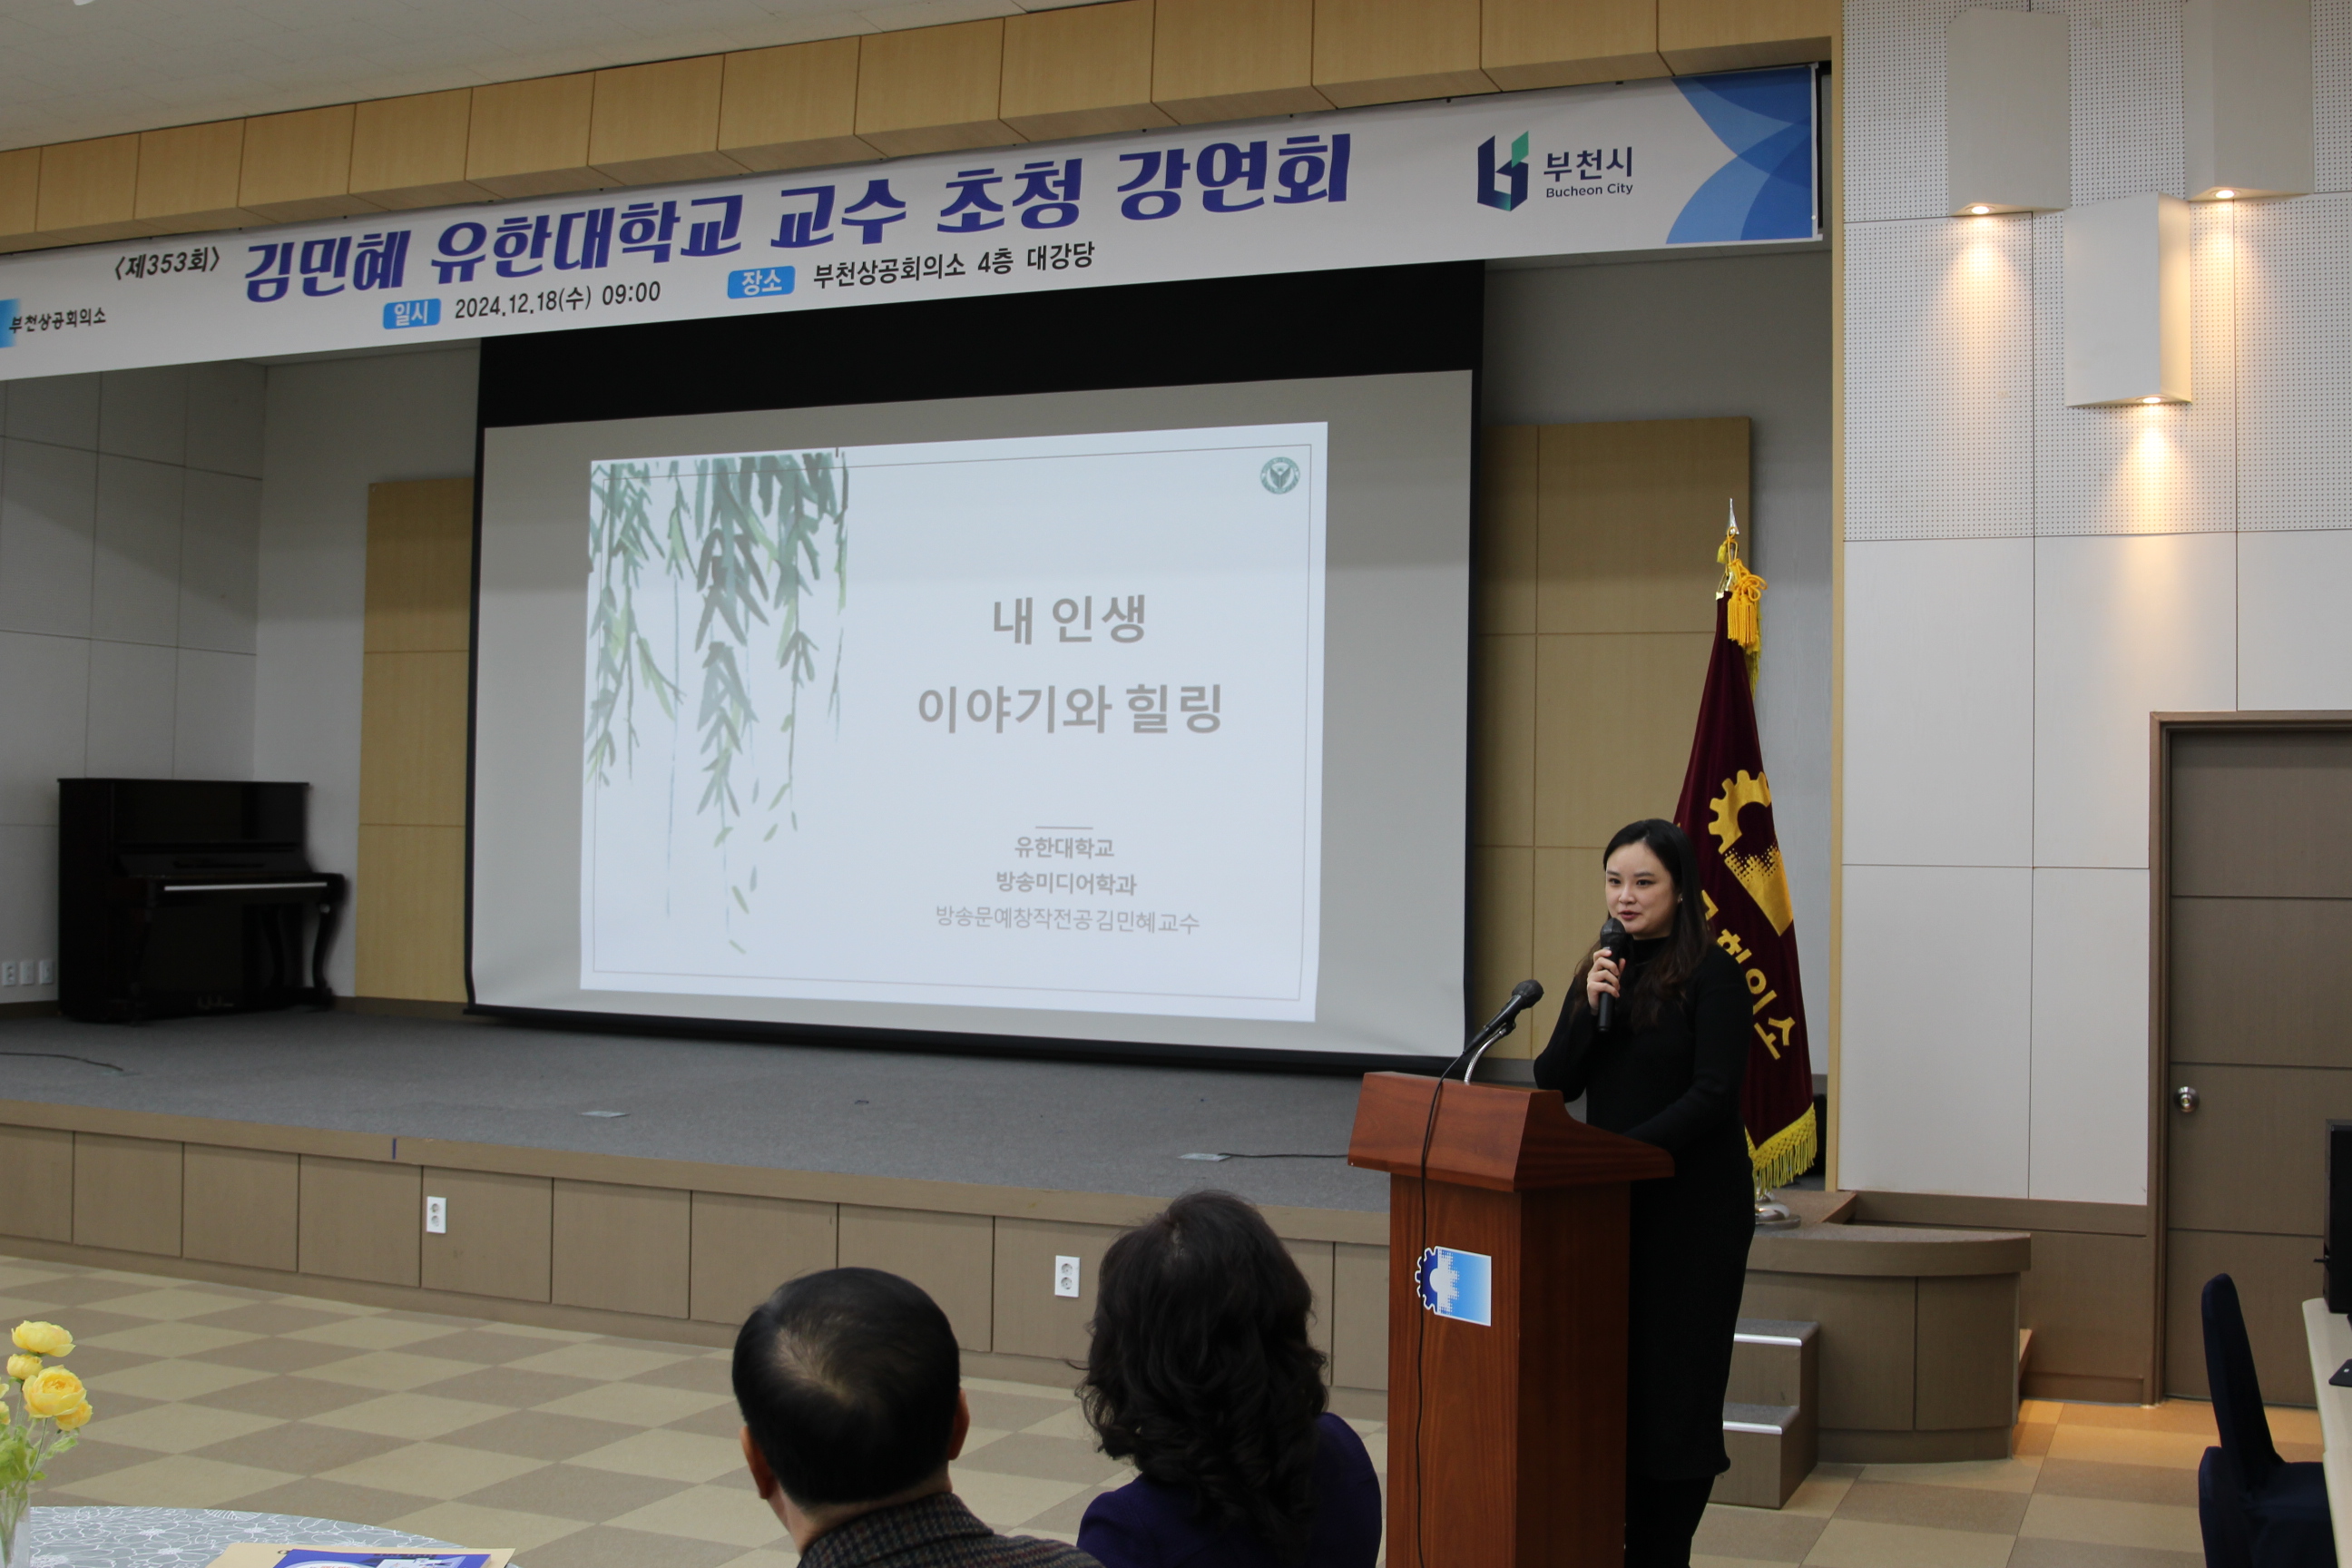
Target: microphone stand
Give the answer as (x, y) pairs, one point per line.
(1476, 1049)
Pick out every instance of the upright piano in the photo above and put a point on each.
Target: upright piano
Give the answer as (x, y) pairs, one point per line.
(180, 896)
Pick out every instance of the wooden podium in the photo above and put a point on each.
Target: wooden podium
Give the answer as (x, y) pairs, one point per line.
(1510, 1435)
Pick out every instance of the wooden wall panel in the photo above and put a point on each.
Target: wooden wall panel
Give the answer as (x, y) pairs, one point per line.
(531, 138)
(1542, 43)
(1568, 910)
(1233, 59)
(409, 926)
(420, 565)
(1389, 51)
(37, 1174)
(950, 1255)
(623, 1249)
(1968, 1327)
(411, 152)
(1083, 71)
(658, 122)
(297, 167)
(188, 178)
(791, 107)
(413, 738)
(20, 198)
(1502, 935)
(409, 912)
(744, 1247)
(89, 191)
(1503, 802)
(1615, 719)
(126, 1194)
(241, 1206)
(1630, 517)
(932, 90)
(1359, 1316)
(1510, 529)
(497, 1243)
(1867, 1381)
(1696, 35)
(360, 1219)
(1030, 1319)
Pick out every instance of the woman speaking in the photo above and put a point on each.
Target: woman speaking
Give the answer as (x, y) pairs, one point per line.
(1666, 1071)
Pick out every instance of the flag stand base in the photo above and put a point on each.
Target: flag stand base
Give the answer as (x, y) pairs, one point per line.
(1771, 1216)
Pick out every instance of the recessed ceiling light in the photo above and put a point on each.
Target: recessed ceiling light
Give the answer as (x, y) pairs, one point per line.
(2225, 196)
(2151, 400)
(1978, 211)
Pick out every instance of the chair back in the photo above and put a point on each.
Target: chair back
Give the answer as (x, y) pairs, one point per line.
(2237, 1416)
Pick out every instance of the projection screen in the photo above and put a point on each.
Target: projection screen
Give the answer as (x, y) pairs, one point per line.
(1132, 719)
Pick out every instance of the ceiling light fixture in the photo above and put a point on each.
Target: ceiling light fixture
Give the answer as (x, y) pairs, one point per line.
(2225, 196)
(1980, 211)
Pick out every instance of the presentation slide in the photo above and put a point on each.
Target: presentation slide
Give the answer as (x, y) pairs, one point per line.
(1133, 718)
(1030, 722)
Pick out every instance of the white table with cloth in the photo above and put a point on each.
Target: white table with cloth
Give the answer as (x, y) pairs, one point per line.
(183, 1537)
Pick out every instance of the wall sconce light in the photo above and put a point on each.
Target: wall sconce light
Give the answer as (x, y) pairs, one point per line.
(2128, 303)
(2246, 98)
(2005, 115)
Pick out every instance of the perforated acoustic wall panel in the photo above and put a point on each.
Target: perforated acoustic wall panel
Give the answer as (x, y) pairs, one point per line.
(2127, 97)
(2294, 361)
(2167, 469)
(1939, 379)
(1894, 91)
(2331, 71)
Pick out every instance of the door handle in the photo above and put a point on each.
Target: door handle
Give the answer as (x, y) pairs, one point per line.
(2185, 1098)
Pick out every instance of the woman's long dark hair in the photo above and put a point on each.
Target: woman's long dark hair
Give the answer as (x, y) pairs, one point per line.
(1200, 1369)
(1668, 975)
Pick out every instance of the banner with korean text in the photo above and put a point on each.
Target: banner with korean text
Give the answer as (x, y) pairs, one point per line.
(1698, 161)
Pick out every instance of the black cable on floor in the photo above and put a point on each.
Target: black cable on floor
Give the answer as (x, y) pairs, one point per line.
(61, 1057)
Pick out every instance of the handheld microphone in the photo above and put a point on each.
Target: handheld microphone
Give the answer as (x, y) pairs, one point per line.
(1612, 942)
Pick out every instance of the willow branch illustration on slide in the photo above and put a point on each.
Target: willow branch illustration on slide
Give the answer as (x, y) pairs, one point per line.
(745, 533)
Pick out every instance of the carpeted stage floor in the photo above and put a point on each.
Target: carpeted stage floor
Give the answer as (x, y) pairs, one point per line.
(1057, 1125)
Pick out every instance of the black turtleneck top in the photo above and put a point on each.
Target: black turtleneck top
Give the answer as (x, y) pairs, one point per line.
(1675, 1084)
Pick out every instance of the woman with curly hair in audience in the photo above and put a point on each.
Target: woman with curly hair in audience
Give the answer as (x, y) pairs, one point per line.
(1201, 1372)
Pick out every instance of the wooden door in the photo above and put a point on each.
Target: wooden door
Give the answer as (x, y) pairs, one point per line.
(2258, 929)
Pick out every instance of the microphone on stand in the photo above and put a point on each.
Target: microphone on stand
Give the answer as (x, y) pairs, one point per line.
(1524, 995)
(1612, 942)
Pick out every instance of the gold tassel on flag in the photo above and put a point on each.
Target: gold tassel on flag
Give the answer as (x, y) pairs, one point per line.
(1743, 592)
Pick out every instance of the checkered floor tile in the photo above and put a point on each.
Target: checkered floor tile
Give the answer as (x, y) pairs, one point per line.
(584, 1451)
(578, 1451)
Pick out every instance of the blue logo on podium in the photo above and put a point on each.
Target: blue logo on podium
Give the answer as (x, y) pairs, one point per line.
(1457, 1285)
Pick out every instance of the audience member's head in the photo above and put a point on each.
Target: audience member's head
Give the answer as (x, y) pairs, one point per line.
(851, 1394)
(1200, 1369)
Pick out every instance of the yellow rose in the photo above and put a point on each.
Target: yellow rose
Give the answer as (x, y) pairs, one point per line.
(52, 1391)
(21, 1367)
(43, 1339)
(76, 1418)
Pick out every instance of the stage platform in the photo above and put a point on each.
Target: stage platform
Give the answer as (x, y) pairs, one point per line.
(997, 1122)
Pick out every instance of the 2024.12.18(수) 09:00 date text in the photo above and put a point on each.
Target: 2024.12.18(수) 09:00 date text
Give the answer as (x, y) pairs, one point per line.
(554, 301)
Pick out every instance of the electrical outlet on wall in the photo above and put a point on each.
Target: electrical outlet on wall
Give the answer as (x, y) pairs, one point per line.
(436, 1216)
(1065, 1276)
(7, 974)
(49, 971)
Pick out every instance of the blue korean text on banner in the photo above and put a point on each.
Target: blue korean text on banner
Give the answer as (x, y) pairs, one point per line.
(759, 282)
(399, 314)
(1457, 1285)
(8, 323)
(1766, 190)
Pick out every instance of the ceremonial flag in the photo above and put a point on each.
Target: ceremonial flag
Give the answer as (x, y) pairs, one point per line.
(1727, 809)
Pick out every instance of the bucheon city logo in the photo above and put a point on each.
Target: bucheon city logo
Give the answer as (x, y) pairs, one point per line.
(1513, 192)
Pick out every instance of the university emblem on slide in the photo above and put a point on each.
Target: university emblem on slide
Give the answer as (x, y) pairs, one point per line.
(1279, 475)
(1457, 1285)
